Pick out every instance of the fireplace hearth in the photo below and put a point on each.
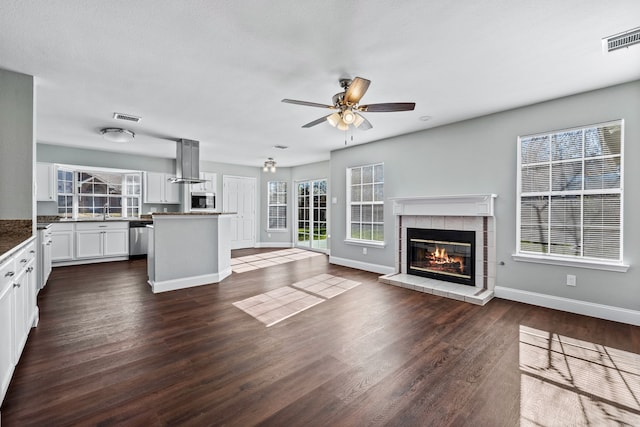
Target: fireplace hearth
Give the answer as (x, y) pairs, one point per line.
(447, 255)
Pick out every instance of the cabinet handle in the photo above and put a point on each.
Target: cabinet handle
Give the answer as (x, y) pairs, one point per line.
(23, 260)
(9, 274)
(102, 226)
(16, 285)
(32, 251)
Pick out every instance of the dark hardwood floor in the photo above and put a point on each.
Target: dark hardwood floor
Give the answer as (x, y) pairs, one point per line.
(109, 352)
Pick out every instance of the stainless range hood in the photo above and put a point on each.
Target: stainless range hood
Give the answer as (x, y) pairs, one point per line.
(187, 162)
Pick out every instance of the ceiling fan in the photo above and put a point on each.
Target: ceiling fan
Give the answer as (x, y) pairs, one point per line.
(347, 107)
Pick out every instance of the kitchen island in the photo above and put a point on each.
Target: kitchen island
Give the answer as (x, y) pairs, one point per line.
(188, 249)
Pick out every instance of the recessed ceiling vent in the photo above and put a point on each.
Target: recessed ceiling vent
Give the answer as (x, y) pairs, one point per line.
(127, 117)
(281, 147)
(621, 40)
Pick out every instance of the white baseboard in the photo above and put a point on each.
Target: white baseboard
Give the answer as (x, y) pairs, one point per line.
(273, 245)
(374, 268)
(601, 311)
(188, 282)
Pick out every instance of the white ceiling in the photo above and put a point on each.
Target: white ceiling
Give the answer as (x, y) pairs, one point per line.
(215, 71)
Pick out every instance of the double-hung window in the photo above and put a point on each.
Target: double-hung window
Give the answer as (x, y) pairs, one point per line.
(277, 205)
(570, 194)
(365, 204)
(98, 193)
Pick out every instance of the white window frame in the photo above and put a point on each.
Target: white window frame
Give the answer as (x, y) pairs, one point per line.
(350, 203)
(285, 204)
(571, 260)
(74, 169)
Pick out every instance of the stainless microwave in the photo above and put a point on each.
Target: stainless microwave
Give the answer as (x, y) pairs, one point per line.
(200, 200)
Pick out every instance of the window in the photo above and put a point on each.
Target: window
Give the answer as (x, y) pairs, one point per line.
(92, 193)
(277, 209)
(365, 203)
(65, 193)
(570, 193)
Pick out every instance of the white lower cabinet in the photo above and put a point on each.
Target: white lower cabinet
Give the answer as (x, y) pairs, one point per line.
(62, 241)
(99, 239)
(18, 308)
(7, 274)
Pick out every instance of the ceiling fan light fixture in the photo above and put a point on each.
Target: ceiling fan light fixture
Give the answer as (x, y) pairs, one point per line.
(334, 119)
(348, 116)
(269, 165)
(343, 126)
(117, 135)
(358, 120)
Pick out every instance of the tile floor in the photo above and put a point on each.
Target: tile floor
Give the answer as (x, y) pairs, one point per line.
(267, 259)
(280, 304)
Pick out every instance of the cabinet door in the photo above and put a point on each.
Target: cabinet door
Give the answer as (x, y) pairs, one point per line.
(20, 314)
(46, 259)
(6, 334)
(61, 246)
(116, 242)
(171, 191)
(46, 188)
(89, 243)
(154, 187)
(210, 183)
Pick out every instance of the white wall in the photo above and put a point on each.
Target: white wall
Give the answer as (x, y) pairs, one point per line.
(479, 156)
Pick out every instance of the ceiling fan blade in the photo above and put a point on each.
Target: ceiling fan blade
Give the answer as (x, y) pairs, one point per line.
(388, 107)
(362, 123)
(308, 104)
(356, 90)
(316, 122)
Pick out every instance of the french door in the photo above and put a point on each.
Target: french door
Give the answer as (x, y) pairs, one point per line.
(312, 214)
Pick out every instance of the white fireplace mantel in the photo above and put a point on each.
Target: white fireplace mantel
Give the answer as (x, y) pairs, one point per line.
(447, 205)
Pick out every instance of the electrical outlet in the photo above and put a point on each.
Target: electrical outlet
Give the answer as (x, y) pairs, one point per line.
(269, 235)
(571, 280)
(364, 251)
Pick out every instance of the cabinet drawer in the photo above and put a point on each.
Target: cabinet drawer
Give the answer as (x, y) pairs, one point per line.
(103, 226)
(7, 272)
(61, 226)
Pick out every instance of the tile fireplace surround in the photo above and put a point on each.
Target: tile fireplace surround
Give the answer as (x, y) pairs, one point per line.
(455, 212)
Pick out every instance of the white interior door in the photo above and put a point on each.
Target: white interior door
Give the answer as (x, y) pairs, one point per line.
(239, 195)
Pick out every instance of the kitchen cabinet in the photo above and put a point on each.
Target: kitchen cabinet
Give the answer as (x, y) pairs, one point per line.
(7, 273)
(18, 308)
(62, 241)
(46, 182)
(44, 256)
(210, 184)
(158, 189)
(101, 239)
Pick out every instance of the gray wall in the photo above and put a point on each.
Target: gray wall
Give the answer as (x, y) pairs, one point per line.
(479, 156)
(17, 112)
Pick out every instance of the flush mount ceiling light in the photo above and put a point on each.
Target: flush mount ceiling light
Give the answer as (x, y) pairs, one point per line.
(117, 135)
(269, 165)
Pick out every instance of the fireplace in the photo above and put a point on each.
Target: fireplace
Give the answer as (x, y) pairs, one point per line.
(447, 255)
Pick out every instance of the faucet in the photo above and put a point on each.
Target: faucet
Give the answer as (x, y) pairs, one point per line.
(105, 211)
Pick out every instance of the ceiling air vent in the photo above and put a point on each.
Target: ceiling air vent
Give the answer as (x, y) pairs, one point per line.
(127, 117)
(621, 40)
(281, 147)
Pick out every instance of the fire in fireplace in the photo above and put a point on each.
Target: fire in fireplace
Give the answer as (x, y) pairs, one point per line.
(442, 254)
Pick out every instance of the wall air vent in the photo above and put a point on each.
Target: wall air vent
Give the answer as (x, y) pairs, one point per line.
(281, 147)
(621, 40)
(127, 117)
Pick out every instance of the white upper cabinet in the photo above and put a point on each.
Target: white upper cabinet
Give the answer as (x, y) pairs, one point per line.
(158, 189)
(46, 183)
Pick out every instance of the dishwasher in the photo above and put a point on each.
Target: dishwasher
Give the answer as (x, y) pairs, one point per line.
(138, 237)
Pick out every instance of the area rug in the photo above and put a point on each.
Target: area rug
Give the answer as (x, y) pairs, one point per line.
(267, 259)
(275, 306)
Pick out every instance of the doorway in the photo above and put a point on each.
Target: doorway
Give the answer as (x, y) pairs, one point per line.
(312, 215)
(239, 196)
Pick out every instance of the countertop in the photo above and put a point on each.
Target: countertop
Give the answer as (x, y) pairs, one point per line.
(13, 233)
(192, 213)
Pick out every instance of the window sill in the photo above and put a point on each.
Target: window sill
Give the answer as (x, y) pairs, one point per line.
(369, 243)
(581, 263)
(277, 230)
